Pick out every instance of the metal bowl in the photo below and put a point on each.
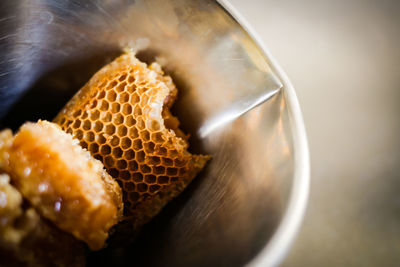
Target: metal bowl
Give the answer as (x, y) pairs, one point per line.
(247, 205)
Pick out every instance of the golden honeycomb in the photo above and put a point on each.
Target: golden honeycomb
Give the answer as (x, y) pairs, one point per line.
(121, 116)
(6, 138)
(28, 240)
(63, 182)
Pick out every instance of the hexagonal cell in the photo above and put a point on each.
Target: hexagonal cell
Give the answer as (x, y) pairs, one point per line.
(131, 79)
(94, 115)
(98, 126)
(174, 179)
(167, 162)
(140, 156)
(105, 150)
(158, 170)
(118, 119)
(126, 142)
(76, 124)
(107, 117)
(127, 109)
(114, 140)
(113, 84)
(149, 147)
(125, 175)
(108, 86)
(135, 98)
(100, 139)
(145, 169)
(122, 77)
(101, 94)
(130, 121)
(117, 152)
(94, 148)
(78, 134)
(137, 111)
(133, 133)
(157, 137)
(124, 97)
(115, 107)
(153, 160)
(110, 129)
(121, 164)
(89, 136)
(122, 130)
(129, 154)
(132, 165)
(162, 151)
(172, 171)
(68, 123)
(86, 125)
(150, 179)
(145, 135)
(94, 104)
(137, 177)
(163, 179)
(113, 172)
(111, 96)
(142, 187)
(104, 105)
(77, 113)
(109, 161)
(121, 87)
(137, 144)
(84, 115)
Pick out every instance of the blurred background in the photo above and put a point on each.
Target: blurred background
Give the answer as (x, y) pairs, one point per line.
(343, 58)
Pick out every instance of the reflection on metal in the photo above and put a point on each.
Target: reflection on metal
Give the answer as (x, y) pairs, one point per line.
(234, 111)
(242, 208)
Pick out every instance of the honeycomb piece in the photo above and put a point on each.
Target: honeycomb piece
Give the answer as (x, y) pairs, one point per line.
(6, 138)
(64, 183)
(28, 240)
(122, 117)
(10, 211)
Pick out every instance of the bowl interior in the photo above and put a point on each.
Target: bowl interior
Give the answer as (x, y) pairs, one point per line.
(233, 208)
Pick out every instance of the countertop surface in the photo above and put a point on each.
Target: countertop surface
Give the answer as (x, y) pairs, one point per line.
(343, 58)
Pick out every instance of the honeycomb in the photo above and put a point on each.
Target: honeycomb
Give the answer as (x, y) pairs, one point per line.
(63, 182)
(6, 138)
(121, 116)
(10, 211)
(28, 240)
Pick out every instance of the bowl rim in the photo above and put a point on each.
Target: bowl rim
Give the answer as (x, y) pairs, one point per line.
(273, 253)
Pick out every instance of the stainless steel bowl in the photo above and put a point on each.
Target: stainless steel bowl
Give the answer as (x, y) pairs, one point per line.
(247, 205)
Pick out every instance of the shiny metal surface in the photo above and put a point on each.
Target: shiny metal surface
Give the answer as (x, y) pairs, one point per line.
(247, 204)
